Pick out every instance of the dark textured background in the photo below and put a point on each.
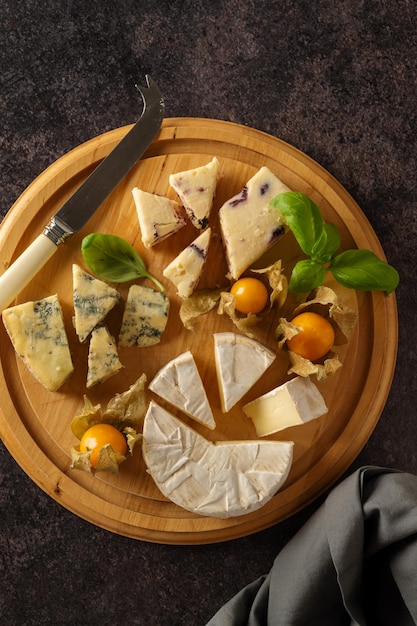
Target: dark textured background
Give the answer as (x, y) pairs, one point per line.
(337, 79)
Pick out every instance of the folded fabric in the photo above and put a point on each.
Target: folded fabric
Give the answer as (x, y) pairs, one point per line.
(353, 563)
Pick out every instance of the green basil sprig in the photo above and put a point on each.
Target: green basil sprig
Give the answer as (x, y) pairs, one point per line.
(356, 269)
(112, 258)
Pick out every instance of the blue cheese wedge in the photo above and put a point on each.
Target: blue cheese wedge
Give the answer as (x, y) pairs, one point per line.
(38, 335)
(93, 300)
(296, 402)
(179, 383)
(223, 479)
(185, 270)
(240, 362)
(158, 216)
(249, 224)
(144, 318)
(103, 358)
(196, 189)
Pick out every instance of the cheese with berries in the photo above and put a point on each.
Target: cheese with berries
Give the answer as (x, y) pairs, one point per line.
(196, 189)
(185, 270)
(249, 224)
(158, 216)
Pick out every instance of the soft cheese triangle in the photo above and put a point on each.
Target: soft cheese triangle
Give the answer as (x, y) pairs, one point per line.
(179, 383)
(185, 270)
(196, 189)
(223, 479)
(38, 335)
(294, 403)
(249, 224)
(158, 216)
(93, 300)
(240, 362)
(103, 358)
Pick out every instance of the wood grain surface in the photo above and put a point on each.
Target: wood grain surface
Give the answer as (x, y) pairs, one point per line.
(35, 423)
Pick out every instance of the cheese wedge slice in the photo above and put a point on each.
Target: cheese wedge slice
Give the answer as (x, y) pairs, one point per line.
(196, 189)
(144, 318)
(93, 300)
(249, 224)
(158, 216)
(38, 335)
(185, 270)
(179, 383)
(240, 362)
(223, 479)
(103, 359)
(294, 403)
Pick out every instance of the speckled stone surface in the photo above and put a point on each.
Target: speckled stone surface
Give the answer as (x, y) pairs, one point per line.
(335, 79)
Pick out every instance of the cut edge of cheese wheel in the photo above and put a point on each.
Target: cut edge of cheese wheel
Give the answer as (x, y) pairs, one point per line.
(180, 384)
(240, 362)
(224, 479)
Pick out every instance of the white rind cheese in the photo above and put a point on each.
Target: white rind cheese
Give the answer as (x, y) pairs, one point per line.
(185, 270)
(144, 318)
(240, 362)
(295, 402)
(93, 300)
(158, 216)
(38, 335)
(179, 383)
(223, 479)
(103, 359)
(196, 189)
(249, 224)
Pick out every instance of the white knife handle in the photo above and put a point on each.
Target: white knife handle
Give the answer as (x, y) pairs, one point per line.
(26, 266)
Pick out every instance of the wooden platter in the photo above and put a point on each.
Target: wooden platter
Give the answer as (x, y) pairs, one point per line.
(35, 423)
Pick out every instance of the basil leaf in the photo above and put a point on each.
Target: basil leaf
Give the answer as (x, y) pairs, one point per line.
(306, 275)
(112, 258)
(303, 218)
(327, 245)
(363, 270)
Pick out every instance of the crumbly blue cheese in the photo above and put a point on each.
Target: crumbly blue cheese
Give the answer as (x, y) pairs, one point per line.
(185, 270)
(196, 189)
(103, 358)
(37, 332)
(222, 479)
(158, 216)
(93, 300)
(179, 383)
(249, 224)
(144, 318)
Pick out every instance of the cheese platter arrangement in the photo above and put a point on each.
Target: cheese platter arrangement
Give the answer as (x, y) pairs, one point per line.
(206, 355)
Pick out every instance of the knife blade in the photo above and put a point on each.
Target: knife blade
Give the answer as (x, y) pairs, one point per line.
(84, 202)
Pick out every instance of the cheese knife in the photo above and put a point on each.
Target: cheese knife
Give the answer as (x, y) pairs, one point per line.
(78, 209)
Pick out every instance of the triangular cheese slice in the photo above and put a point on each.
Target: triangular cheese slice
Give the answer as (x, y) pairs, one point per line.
(158, 216)
(223, 479)
(240, 362)
(249, 224)
(144, 318)
(196, 189)
(179, 383)
(93, 300)
(103, 359)
(185, 270)
(37, 332)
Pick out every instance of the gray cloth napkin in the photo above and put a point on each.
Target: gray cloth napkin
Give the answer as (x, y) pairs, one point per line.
(354, 562)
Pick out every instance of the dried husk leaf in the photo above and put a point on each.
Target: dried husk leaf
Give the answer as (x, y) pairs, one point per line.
(304, 367)
(198, 303)
(128, 408)
(227, 307)
(278, 283)
(108, 460)
(325, 302)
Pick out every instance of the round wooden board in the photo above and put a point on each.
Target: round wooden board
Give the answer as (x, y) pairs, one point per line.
(35, 423)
